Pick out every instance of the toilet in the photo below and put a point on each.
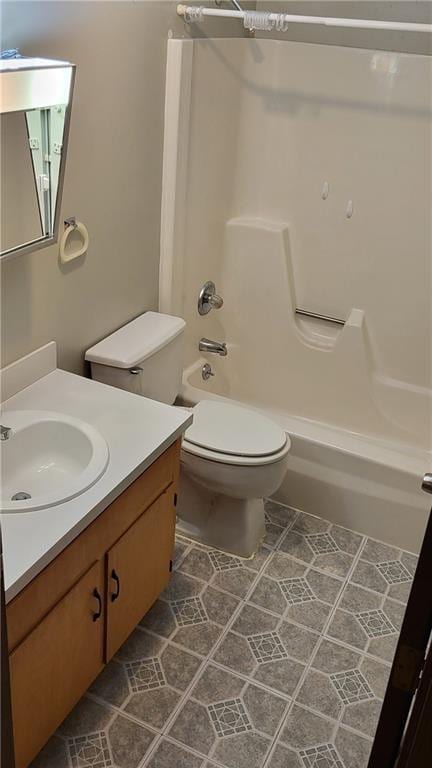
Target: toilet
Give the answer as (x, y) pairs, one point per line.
(231, 458)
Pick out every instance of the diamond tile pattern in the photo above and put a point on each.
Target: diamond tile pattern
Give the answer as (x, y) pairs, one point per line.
(221, 561)
(144, 675)
(322, 543)
(189, 611)
(375, 623)
(92, 750)
(296, 591)
(267, 647)
(323, 756)
(229, 717)
(351, 686)
(394, 572)
(281, 660)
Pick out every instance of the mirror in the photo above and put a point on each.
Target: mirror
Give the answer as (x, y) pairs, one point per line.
(33, 143)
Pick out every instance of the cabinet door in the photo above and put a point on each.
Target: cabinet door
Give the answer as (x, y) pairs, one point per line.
(55, 664)
(138, 569)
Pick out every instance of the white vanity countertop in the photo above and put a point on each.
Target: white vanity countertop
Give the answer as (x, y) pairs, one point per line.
(137, 431)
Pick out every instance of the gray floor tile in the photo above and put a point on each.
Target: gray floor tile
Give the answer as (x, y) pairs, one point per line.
(229, 719)
(376, 552)
(376, 674)
(129, 742)
(353, 749)
(306, 597)
(232, 720)
(337, 563)
(282, 676)
(304, 729)
(251, 621)
(268, 594)
(363, 716)
(112, 684)
(281, 566)
(367, 575)
(299, 642)
(86, 717)
(273, 534)
(309, 739)
(283, 757)
(193, 727)
(309, 524)
(347, 540)
(386, 570)
(270, 650)
(92, 731)
(160, 619)
(313, 615)
(295, 544)
(180, 549)
(169, 755)
(331, 658)
(383, 647)
(356, 599)
(196, 618)
(318, 693)
(246, 750)
(147, 678)
(328, 547)
(53, 755)
(153, 707)
(235, 652)
(345, 627)
(230, 573)
(279, 514)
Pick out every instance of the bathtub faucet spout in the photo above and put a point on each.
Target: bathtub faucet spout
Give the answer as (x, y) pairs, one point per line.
(218, 347)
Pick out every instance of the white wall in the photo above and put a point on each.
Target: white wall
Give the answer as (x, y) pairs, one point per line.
(113, 174)
(419, 11)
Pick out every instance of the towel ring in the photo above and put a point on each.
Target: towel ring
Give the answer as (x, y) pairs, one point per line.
(67, 254)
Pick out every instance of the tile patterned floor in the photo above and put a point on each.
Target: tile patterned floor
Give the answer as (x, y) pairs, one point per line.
(276, 662)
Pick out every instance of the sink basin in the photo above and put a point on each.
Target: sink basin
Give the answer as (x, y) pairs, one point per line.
(48, 458)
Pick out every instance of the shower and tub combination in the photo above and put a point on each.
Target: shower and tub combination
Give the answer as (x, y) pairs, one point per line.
(282, 196)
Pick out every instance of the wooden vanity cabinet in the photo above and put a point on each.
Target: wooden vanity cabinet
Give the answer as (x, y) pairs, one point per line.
(56, 663)
(72, 618)
(137, 576)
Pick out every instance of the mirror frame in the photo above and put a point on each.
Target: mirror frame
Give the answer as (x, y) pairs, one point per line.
(27, 84)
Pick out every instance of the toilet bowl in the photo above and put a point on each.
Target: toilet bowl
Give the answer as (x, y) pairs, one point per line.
(232, 457)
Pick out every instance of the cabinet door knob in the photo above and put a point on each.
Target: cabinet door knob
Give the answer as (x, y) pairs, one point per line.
(115, 578)
(98, 613)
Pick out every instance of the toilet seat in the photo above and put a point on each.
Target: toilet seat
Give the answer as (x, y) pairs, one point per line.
(231, 434)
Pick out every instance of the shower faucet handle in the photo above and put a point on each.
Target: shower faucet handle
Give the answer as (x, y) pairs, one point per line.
(208, 298)
(216, 301)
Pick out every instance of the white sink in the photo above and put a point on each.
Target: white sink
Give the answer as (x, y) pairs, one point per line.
(48, 458)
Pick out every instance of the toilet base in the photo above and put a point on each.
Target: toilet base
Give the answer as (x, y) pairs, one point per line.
(233, 525)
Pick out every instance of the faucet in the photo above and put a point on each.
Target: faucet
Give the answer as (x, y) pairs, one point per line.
(5, 432)
(218, 347)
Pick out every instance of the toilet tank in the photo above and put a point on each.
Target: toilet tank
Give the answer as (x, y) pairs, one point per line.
(143, 357)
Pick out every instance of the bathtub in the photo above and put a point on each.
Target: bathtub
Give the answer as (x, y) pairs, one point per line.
(363, 483)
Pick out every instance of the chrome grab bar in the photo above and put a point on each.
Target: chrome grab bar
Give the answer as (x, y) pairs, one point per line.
(317, 316)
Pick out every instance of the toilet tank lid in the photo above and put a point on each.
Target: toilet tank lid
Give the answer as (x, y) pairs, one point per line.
(136, 341)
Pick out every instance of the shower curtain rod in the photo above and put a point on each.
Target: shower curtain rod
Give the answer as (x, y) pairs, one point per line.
(280, 21)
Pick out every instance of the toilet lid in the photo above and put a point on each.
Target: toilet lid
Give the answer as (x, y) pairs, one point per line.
(234, 430)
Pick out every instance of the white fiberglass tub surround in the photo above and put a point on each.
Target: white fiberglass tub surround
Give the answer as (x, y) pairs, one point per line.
(290, 172)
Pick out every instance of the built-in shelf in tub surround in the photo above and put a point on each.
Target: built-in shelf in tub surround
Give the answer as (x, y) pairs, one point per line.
(137, 431)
